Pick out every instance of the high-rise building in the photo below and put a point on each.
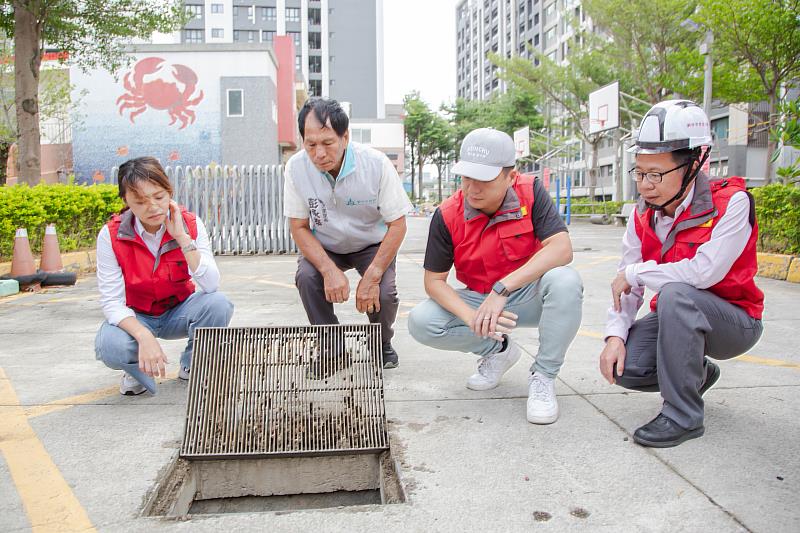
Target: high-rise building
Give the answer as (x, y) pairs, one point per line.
(506, 28)
(338, 43)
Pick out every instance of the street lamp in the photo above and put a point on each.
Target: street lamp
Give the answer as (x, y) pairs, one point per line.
(705, 49)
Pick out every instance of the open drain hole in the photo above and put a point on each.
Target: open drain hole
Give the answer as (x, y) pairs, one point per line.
(194, 487)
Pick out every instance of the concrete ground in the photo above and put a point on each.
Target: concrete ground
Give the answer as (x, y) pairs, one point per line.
(77, 455)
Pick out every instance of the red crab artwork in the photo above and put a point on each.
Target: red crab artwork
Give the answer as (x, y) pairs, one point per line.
(159, 91)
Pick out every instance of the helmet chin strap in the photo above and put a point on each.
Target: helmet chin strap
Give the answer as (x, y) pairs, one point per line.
(689, 175)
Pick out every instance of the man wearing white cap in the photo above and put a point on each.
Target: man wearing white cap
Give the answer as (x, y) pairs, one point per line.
(510, 248)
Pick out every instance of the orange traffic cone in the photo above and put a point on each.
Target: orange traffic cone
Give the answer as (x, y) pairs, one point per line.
(22, 261)
(51, 255)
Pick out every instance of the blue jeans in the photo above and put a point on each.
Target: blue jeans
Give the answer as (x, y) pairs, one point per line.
(118, 350)
(552, 303)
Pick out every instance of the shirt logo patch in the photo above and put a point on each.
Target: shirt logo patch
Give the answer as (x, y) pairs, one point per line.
(707, 224)
(353, 202)
(524, 210)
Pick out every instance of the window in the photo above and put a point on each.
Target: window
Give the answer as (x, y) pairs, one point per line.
(241, 36)
(236, 36)
(550, 13)
(536, 40)
(315, 40)
(267, 36)
(295, 35)
(269, 13)
(720, 128)
(315, 64)
(315, 87)
(550, 37)
(235, 103)
(235, 11)
(193, 36)
(298, 62)
(194, 11)
(361, 135)
(292, 14)
(536, 19)
(217, 8)
(314, 16)
(217, 33)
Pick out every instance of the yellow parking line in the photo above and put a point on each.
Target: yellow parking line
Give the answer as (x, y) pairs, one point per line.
(743, 358)
(80, 399)
(49, 501)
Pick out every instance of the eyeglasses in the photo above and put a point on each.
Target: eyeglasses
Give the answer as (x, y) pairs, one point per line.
(652, 177)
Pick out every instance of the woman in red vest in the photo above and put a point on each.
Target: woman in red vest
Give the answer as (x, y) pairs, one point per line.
(150, 258)
(692, 241)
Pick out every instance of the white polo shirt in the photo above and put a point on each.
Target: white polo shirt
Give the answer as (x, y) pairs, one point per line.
(349, 213)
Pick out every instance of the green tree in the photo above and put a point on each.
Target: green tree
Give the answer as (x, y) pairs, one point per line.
(92, 32)
(439, 141)
(787, 134)
(506, 112)
(417, 120)
(763, 38)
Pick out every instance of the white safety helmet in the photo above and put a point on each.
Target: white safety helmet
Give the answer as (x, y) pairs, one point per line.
(673, 125)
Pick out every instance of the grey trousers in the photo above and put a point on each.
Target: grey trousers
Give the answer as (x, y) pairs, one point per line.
(312, 290)
(666, 348)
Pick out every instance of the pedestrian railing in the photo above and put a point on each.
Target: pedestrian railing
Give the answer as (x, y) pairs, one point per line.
(241, 206)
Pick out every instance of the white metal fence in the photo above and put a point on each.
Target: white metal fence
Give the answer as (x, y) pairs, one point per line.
(241, 207)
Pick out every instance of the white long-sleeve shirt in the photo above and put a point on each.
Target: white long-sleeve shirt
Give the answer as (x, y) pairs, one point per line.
(111, 284)
(712, 261)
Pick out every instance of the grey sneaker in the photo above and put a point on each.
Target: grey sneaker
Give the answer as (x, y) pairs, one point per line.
(492, 367)
(183, 373)
(130, 386)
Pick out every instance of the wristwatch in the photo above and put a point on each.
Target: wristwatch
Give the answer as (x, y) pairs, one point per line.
(500, 289)
(189, 247)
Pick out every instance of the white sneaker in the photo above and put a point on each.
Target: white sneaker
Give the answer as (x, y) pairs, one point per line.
(130, 386)
(492, 367)
(542, 403)
(183, 373)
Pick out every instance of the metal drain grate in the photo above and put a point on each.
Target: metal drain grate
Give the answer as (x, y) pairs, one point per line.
(288, 391)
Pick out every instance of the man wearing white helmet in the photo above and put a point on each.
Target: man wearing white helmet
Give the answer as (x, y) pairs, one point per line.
(510, 248)
(692, 241)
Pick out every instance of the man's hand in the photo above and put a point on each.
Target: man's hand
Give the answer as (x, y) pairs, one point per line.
(152, 360)
(619, 286)
(613, 354)
(337, 286)
(368, 294)
(490, 319)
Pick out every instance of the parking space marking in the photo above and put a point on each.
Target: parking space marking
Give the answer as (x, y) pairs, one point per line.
(48, 500)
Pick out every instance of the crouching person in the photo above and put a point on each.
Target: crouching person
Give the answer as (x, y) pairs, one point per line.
(510, 248)
(149, 258)
(693, 242)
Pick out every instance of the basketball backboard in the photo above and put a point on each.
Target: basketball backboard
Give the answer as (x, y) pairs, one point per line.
(522, 142)
(604, 108)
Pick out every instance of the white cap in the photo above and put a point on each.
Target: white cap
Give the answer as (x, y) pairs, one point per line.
(484, 153)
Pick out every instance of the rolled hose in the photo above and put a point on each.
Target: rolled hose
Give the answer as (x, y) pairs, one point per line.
(47, 279)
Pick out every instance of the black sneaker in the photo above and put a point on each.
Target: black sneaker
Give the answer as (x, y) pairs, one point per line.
(712, 375)
(329, 358)
(390, 359)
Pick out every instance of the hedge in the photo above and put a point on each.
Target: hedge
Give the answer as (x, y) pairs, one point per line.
(584, 206)
(78, 212)
(778, 214)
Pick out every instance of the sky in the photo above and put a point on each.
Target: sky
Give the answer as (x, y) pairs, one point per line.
(419, 50)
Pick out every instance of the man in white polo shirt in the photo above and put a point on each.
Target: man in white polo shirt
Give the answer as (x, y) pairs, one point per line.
(346, 207)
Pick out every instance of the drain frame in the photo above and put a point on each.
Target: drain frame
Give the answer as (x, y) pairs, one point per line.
(324, 383)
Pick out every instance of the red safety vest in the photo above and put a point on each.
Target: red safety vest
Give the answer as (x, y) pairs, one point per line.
(153, 285)
(693, 228)
(486, 249)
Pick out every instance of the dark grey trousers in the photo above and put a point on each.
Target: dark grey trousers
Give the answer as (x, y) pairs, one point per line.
(312, 290)
(666, 348)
